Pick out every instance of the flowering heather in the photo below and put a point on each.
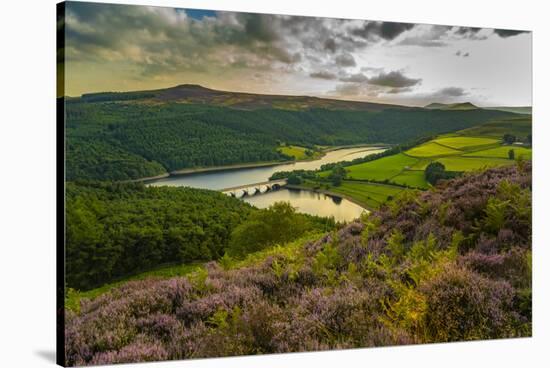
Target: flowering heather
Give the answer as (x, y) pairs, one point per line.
(449, 264)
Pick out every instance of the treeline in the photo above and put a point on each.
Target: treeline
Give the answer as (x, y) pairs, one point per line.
(117, 229)
(128, 140)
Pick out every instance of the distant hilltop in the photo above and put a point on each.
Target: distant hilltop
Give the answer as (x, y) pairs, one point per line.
(526, 110)
(196, 94)
(454, 106)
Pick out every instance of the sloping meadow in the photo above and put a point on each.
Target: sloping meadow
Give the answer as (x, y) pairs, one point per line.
(449, 264)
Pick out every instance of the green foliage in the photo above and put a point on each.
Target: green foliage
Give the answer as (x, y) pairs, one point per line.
(508, 138)
(294, 179)
(118, 229)
(277, 224)
(396, 244)
(511, 154)
(326, 262)
(338, 173)
(434, 172)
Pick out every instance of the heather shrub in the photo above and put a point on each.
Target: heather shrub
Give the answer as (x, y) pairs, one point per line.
(463, 305)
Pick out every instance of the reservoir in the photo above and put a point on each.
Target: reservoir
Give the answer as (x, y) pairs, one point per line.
(304, 201)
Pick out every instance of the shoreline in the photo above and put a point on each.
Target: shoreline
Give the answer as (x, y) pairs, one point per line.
(200, 170)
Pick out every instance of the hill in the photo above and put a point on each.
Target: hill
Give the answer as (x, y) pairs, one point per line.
(454, 106)
(452, 264)
(524, 110)
(131, 135)
(196, 94)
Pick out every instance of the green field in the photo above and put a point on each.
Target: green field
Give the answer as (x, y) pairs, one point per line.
(502, 152)
(460, 163)
(465, 142)
(412, 178)
(370, 194)
(382, 169)
(431, 149)
(299, 153)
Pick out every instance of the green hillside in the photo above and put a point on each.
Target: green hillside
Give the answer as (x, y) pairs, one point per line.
(131, 135)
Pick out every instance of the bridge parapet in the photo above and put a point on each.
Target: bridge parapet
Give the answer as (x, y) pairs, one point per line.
(255, 188)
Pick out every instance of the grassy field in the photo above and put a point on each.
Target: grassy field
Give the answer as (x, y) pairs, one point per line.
(431, 149)
(412, 178)
(502, 152)
(299, 153)
(460, 143)
(372, 195)
(461, 163)
(382, 169)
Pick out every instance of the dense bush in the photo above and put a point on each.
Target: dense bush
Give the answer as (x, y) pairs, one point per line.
(442, 265)
(277, 224)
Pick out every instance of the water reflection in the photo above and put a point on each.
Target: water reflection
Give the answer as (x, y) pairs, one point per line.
(310, 202)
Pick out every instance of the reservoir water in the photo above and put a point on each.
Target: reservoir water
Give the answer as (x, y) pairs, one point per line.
(304, 201)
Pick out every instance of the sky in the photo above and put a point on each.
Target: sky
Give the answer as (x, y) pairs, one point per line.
(124, 48)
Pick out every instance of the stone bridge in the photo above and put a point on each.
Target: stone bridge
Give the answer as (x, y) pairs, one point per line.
(255, 188)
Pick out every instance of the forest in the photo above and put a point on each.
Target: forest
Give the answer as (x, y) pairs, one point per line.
(449, 264)
(118, 229)
(130, 139)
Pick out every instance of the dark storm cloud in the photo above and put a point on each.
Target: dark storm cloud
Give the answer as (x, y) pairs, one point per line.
(450, 92)
(394, 79)
(165, 40)
(395, 91)
(385, 30)
(504, 33)
(330, 45)
(467, 30)
(323, 75)
(345, 60)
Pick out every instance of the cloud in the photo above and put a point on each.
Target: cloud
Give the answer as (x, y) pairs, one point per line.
(450, 92)
(384, 30)
(427, 36)
(323, 75)
(394, 79)
(330, 45)
(355, 78)
(345, 60)
(504, 33)
(394, 91)
(467, 30)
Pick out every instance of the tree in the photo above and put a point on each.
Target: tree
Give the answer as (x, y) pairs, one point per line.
(294, 179)
(434, 172)
(338, 173)
(508, 138)
(278, 224)
(511, 154)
